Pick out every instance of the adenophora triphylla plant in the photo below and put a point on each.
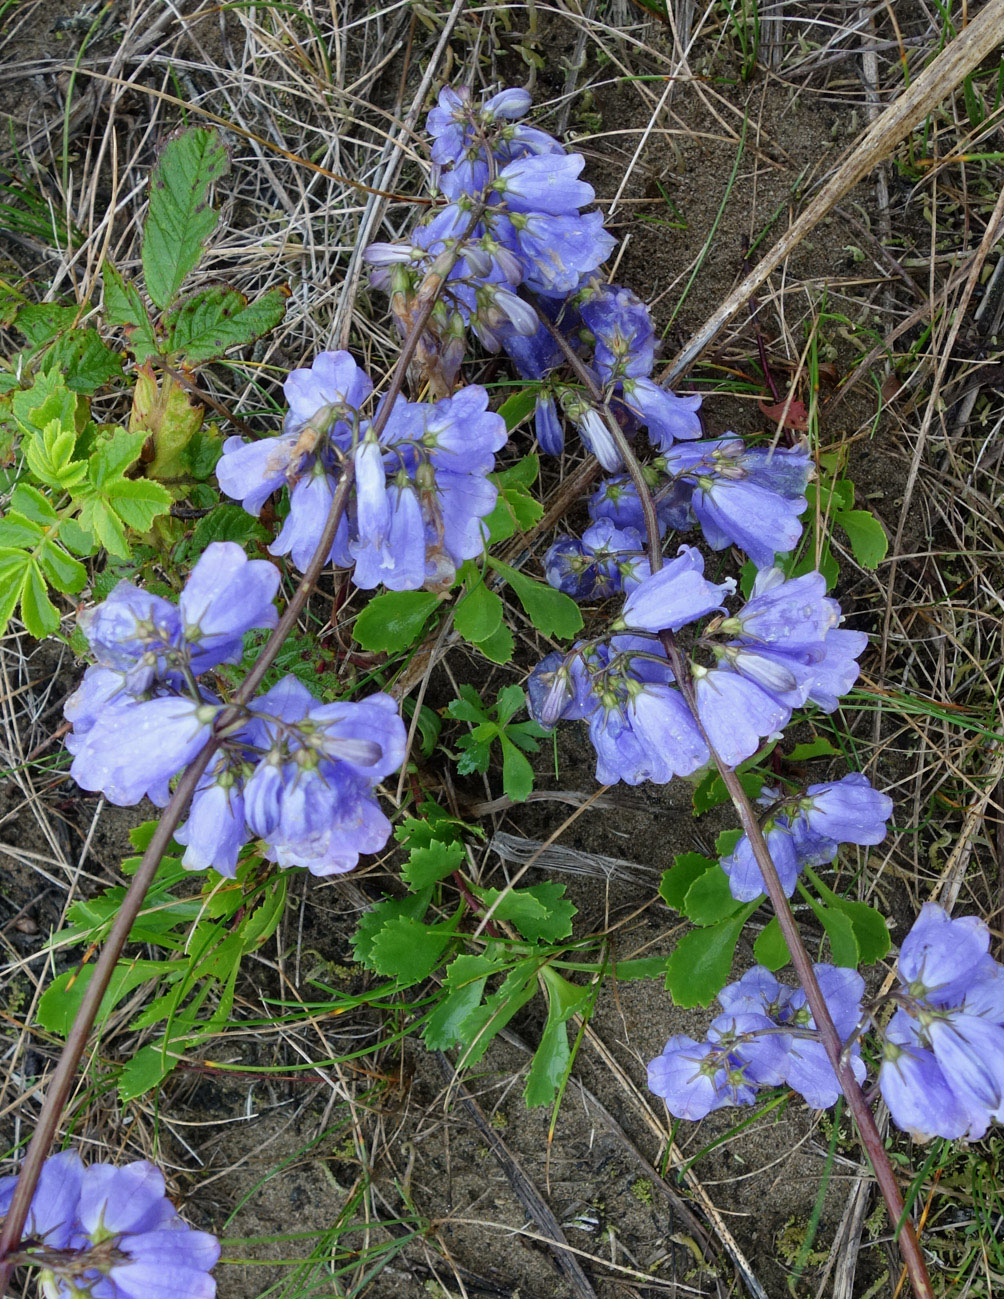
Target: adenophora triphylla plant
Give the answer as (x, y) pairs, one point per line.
(682, 677)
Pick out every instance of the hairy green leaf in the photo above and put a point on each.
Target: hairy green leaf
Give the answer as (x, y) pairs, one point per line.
(211, 322)
(180, 219)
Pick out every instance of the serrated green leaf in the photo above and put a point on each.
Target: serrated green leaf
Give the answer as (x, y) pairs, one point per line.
(725, 843)
(18, 532)
(49, 456)
(41, 322)
(394, 620)
(469, 707)
(61, 570)
(540, 913)
(509, 701)
(13, 568)
(426, 866)
(226, 522)
(149, 1067)
(552, 612)
(709, 899)
(408, 950)
(381, 914)
(85, 360)
(124, 308)
(700, 963)
(30, 502)
(478, 613)
(710, 791)
(869, 543)
(180, 219)
(686, 868)
(109, 502)
(209, 323)
(46, 400)
(770, 949)
(517, 509)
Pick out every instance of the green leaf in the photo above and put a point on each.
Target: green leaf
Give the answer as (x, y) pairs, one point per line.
(499, 646)
(429, 865)
(709, 900)
(478, 613)
(85, 360)
(701, 961)
(224, 523)
(552, 612)
(517, 774)
(517, 509)
(381, 914)
(30, 502)
(770, 949)
(124, 307)
(468, 708)
(464, 986)
(211, 322)
(408, 950)
(870, 929)
(486, 1021)
(393, 621)
(686, 868)
(60, 1002)
(60, 569)
(49, 456)
(109, 502)
(41, 322)
(869, 543)
(509, 701)
(149, 1067)
(725, 843)
(710, 791)
(820, 747)
(515, 409)
(38, 613)
(46, 400)
(19, 532)
(553, 1055)
(838, 928)
(180, 219)
(540, 912)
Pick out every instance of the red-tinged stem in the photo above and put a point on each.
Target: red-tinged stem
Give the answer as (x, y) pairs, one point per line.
(858, 1105)
(58, 1090)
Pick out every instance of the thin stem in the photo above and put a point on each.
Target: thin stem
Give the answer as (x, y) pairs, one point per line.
(863, 1116)
(58, 1090)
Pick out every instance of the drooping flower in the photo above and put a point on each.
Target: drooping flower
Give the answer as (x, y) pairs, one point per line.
(605, 561)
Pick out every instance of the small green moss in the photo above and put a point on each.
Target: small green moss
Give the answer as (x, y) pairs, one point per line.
(641, 1189)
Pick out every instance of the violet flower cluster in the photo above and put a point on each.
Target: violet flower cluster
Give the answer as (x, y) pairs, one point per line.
(764, 1037)
(514, 221)
(103, 1232)
(781, 650)
(421, 486)
(942, 1051)
(807, 830)
(942, 1071)
(297, 775)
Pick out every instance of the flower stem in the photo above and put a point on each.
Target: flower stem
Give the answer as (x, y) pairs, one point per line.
(859, 1107)
(58, 1090)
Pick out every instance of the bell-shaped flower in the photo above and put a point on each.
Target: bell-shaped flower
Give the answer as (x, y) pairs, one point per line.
(251, 471)
(792, 614)
(545, 184)
(757, 993)
(309, 507)
(135, 633)
(835, 673)
(942, 957)
(970, 1051)
(919, 1096)
(753, 1045)
(848, 810)
(735, 713)
(216, 830)
(325, 395)
(52, 1216)
(134, 748)
(746, 880)
(739, 512)
(689, 1077)
(675, 596)
(556, 251)
(226, 595)
(667, 417)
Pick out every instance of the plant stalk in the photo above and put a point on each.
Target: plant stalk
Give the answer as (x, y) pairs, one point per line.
(859, 1107)
(58, 1091)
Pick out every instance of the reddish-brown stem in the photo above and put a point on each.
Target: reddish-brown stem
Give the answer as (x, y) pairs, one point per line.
(859, 1107)
(59, 1087)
